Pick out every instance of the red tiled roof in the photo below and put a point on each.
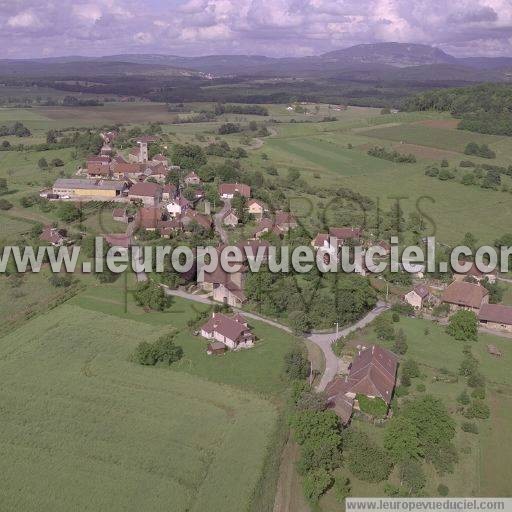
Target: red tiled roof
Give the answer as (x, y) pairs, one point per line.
(230, 327)
(346, 233)
(496, 313)
(146, 189)
(52, 235)
(465, 294)
(233, 188)
(373, 373)
(422, 291)
(285, 218)
(148, 218)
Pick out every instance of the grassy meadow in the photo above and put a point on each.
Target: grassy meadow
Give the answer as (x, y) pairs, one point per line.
(75, 408)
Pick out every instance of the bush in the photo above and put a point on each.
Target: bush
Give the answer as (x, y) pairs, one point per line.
(395, 317)
(163, 350)
(5, 205)
(470, 427)
(463, 326)
(421, 387)
(315, 483)
(478, 409)
(61, 281)
(296, 365)
(151, 296)
(442, 490)
(410, 368)
(478, 393)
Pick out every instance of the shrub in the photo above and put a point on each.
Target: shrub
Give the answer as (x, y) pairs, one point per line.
(410, 368)
(442, 490)
(470, 427)
(395, 317)
(463, 326)
(478, 393)
(5, 205)
(296, 365)
(163, 350)
(478, 409)
(421, 387)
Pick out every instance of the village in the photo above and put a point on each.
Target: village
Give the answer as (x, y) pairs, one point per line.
(149, 196)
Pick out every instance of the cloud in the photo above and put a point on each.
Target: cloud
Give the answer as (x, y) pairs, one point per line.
(25, 19)
(271, 27)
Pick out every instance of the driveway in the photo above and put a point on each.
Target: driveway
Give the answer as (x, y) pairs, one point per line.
(325, 341)
(217, 219)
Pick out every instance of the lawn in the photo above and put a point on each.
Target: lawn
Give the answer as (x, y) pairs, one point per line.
(85, 429)
(257, 370)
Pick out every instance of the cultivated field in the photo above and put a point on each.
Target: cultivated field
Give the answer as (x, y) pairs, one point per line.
(85, 429)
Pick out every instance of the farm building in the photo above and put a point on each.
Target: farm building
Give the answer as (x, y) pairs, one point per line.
(372, 373)
(496, 316)
(149, 193)
(98, 190)
(462, 295)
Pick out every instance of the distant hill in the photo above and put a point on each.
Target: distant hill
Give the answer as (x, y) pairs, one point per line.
(366, 62)
(392, 54)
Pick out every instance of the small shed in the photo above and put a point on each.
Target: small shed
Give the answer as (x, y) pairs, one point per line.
(494, 350)
(216, 348)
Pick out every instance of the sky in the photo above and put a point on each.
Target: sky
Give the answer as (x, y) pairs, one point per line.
(47, 28)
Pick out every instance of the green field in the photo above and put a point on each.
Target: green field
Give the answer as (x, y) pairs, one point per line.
(450, 139)
(85, 429)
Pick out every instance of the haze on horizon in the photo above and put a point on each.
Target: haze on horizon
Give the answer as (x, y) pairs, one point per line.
(30, 28)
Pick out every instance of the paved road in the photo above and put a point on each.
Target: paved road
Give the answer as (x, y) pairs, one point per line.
(324, 341)
(217, 219)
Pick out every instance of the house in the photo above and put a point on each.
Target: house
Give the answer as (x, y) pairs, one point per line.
(98, 167)
(496, 317)
(264, 226)
(252, 249)
(178, 205)
(53, 236)
(148, 218)
(157, 172)
(417, 296)
(191, 216)
(149, 193)
(230, 218)
(228, 190)
(108, 137)
(321, 241)
(125, 170)
(385, 247)
(343, 235)
(232, 331)
(285, 221)
(216, 348)
(168, 192)
(463, 295)
(161, 159)
(192, 179)
(94, 190)
(256, 208)
(120, 214)
(372, 373)
(475, 274)
(119, 240)
(226, 287)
